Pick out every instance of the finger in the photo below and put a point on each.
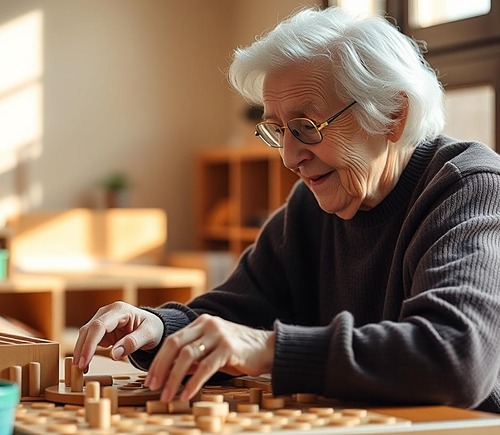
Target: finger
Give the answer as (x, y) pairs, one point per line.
(188, 356)
(92, 334)
(172, 346)
(206, 368)
(130, 343)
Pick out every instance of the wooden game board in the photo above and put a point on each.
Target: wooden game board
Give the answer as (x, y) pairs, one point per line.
(297, 414)
(131, 392)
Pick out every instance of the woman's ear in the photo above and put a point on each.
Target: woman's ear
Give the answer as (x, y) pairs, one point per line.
(399, 118)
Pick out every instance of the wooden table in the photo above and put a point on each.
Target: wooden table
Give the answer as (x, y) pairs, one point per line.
(425, 420)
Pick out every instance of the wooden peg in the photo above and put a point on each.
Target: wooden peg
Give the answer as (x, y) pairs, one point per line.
(209, 423)
(34, 379)
(111, 393)
(68, 363)
(76, 379)
(92, 390)
(255, 395)
(99, 413)
(16, 375)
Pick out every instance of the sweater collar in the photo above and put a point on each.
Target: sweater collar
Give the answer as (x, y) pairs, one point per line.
(400, 196)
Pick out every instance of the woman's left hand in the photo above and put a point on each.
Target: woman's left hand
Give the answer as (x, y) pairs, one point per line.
(204, 347)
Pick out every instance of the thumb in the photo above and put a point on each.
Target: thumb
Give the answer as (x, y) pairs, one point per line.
(128, 344)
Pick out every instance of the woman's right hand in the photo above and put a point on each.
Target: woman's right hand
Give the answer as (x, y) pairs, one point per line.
(124, 327)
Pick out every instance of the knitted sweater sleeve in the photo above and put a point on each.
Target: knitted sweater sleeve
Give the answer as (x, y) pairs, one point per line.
(444, 347)
(255, 293)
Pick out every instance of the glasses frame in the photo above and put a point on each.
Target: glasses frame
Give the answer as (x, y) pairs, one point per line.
(319, 127)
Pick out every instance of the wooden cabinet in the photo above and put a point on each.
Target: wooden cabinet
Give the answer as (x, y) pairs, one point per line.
(236, 190)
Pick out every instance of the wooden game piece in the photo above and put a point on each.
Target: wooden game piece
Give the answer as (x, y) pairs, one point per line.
(208, 397)
(289, 412)
(93, 390)
(16, 375)
(298, 425)
(138, 414)
(122, 424)
(178, 406)
(322, 412)
(103, 380)
(258, 427)
(99, 413)
(63, 428)
(307, 417)
(124, 410)
(111, 393)
(272, 402)
(276, 421)
(355, 412)
(320, 421)
(76, 379)
(156, 407)
(344, 421)
(129, 426)
(34, 378)
(382, 419)
(161, 420)
(35, 419)
(68, 363)
(212, 409)
(255, 395)
(262, 415)
(238, 420)
(178, 430)
(209, 423)
(306, 398)
(247, 407)
(42, 405)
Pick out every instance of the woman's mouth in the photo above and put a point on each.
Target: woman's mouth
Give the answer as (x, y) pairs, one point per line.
(319, 179)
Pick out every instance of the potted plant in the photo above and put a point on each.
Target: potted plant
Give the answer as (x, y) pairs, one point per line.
(116, 187)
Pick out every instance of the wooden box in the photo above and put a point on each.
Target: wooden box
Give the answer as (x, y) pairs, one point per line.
(20, 351)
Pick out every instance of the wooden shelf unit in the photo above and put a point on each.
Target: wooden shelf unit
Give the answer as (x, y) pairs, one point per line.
(236, 190)
(49, 303)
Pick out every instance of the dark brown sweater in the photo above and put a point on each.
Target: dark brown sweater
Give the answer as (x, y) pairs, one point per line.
(400, 304)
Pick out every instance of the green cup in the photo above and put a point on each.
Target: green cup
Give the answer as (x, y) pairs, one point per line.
(4, 257)
(9, 398)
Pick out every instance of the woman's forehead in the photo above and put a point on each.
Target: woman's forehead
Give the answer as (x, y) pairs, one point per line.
(298, 91)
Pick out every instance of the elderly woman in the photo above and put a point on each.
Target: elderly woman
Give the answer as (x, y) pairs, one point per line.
(379, 279)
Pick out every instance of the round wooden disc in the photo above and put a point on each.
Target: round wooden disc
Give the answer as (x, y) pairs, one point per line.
(126, 397)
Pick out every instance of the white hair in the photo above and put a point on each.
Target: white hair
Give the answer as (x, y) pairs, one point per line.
(372, 62)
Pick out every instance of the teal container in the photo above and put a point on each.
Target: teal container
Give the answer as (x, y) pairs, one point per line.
(4, 264)
(9, 398)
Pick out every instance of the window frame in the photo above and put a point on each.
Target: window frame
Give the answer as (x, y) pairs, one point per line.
(455, 34)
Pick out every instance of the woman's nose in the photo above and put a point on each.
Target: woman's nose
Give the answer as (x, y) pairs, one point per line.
(294, 152)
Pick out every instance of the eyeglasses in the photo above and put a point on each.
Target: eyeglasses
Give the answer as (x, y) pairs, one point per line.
(304, 129)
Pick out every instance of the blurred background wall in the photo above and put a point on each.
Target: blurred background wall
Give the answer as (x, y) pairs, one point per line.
(89, 88)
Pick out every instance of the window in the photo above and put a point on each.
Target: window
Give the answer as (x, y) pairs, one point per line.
(426, 13)
(371, 7)
(470, 113)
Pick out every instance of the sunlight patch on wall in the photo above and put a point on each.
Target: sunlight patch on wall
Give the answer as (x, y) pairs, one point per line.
(21, 108)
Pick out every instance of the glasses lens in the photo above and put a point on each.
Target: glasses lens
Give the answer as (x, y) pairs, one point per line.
(304, 130)
(270, 133)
